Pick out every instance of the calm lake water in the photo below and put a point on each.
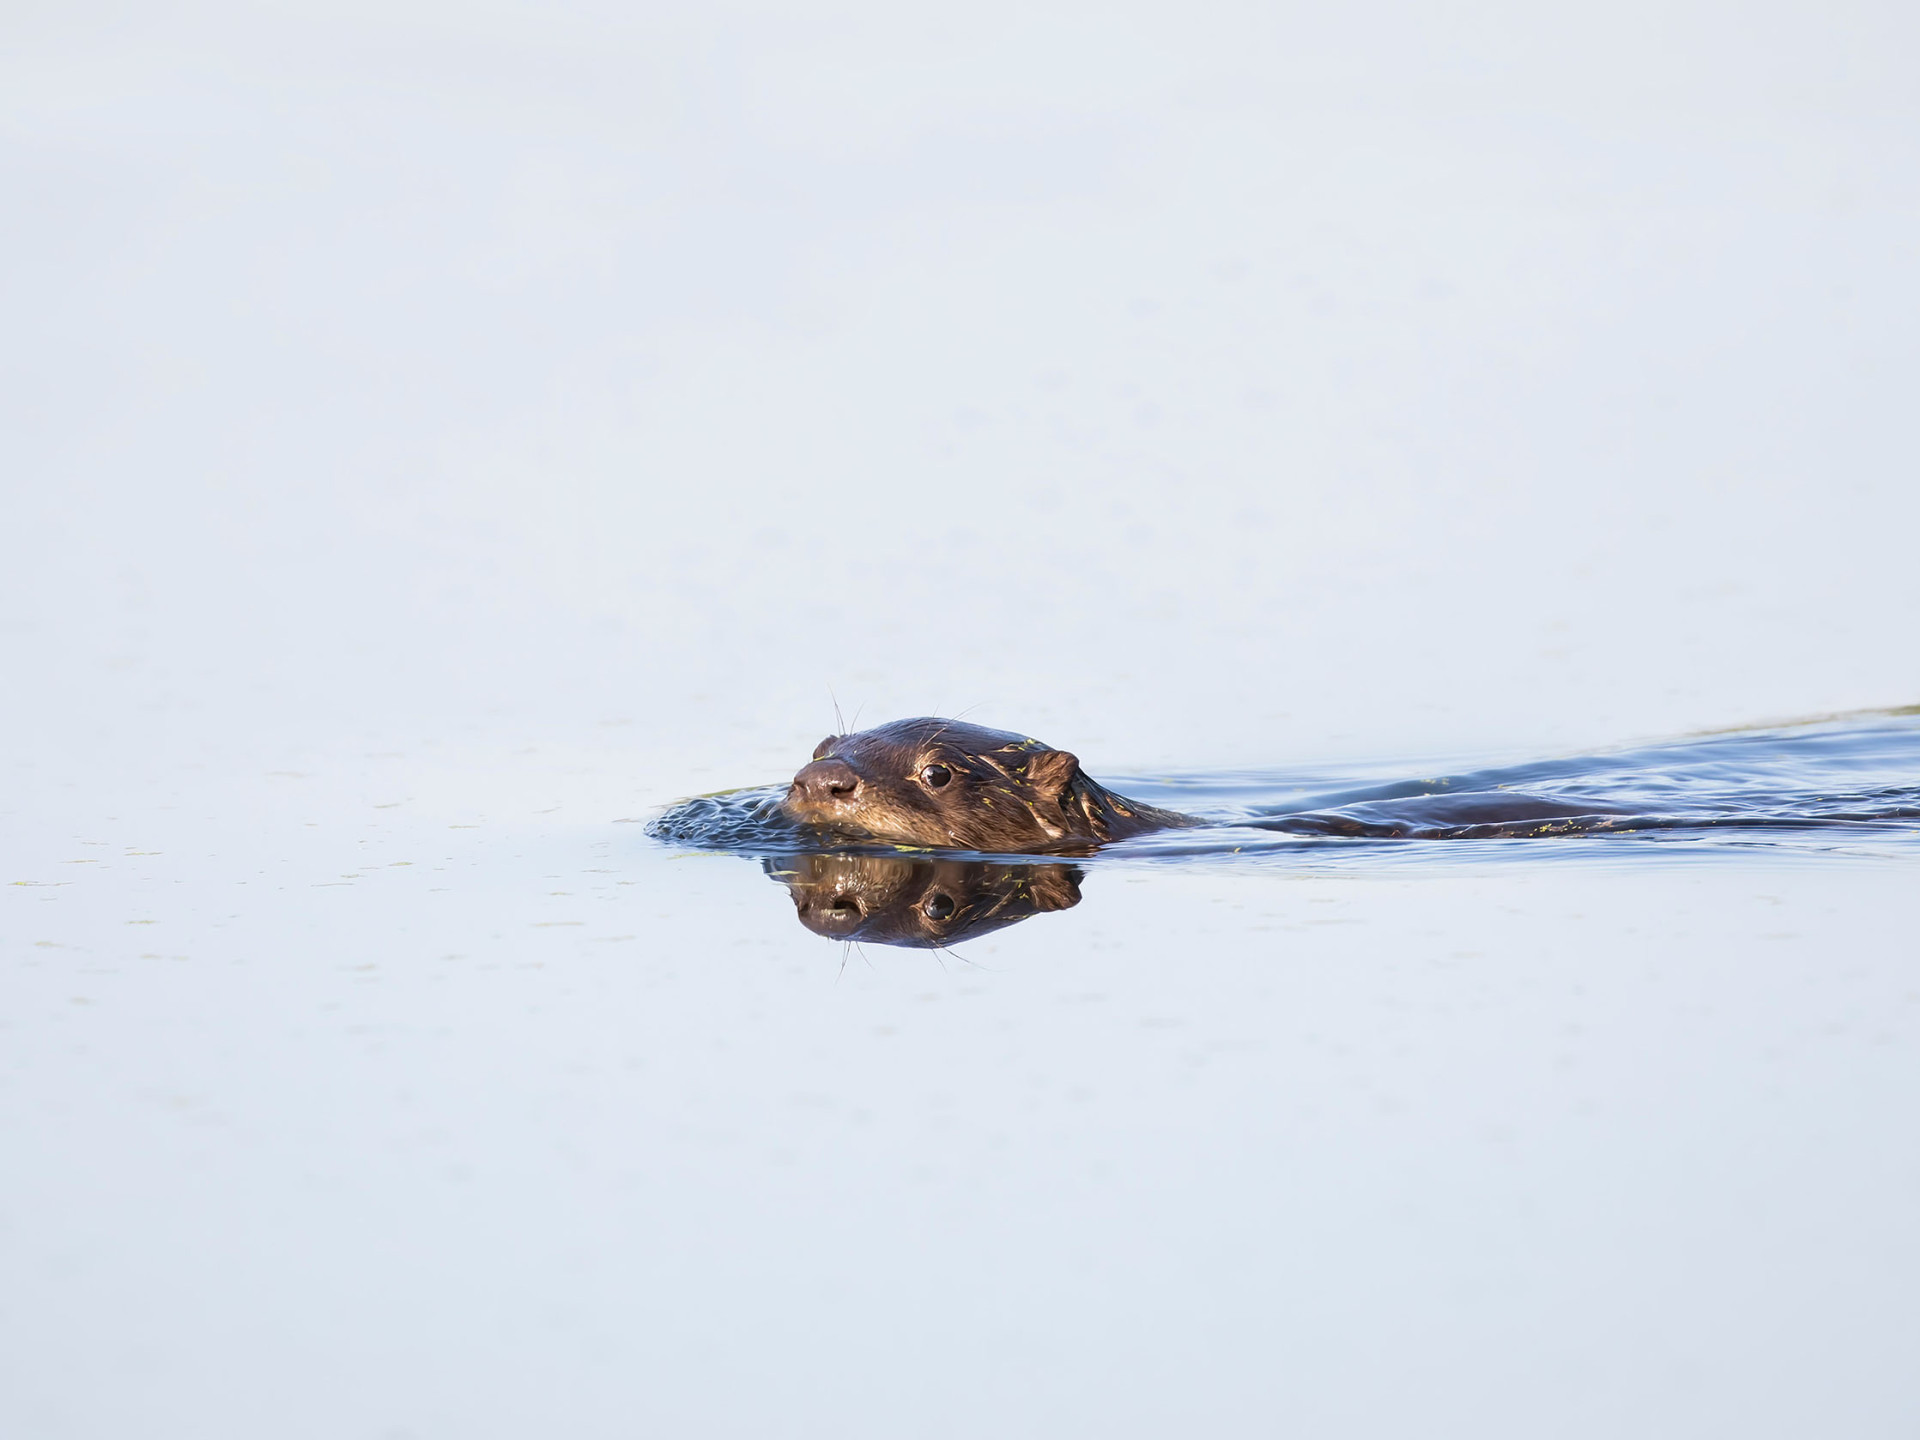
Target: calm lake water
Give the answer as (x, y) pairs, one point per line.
(439, 440)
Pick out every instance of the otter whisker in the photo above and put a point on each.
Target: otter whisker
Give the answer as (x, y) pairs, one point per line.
(969, 963)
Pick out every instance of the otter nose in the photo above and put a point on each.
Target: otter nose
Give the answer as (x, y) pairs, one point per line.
(827, 780)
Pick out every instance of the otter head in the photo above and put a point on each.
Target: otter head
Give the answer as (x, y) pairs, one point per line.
(943, 784)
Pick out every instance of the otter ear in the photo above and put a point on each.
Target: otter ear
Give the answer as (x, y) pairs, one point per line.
(820, 750)
(1051, 771)
(1054, 887)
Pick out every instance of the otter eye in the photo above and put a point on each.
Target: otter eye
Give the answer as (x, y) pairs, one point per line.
(936, 775)
(938, 907)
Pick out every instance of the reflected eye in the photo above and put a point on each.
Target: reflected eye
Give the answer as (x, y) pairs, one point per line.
(938, 907)
(936, 776)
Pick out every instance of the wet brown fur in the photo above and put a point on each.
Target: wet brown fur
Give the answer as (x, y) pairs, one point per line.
(1006, 793)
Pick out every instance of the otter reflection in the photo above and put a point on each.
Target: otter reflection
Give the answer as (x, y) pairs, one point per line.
(902, 900)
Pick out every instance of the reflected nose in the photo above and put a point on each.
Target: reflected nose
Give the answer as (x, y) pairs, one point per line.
(837, 910)
(827, 781)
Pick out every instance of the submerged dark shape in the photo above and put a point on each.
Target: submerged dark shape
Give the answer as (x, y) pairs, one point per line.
(926, 903)
(948, 785)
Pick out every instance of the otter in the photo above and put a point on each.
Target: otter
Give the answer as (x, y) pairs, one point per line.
(932, 784)
(941, 784)
(947, 785)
